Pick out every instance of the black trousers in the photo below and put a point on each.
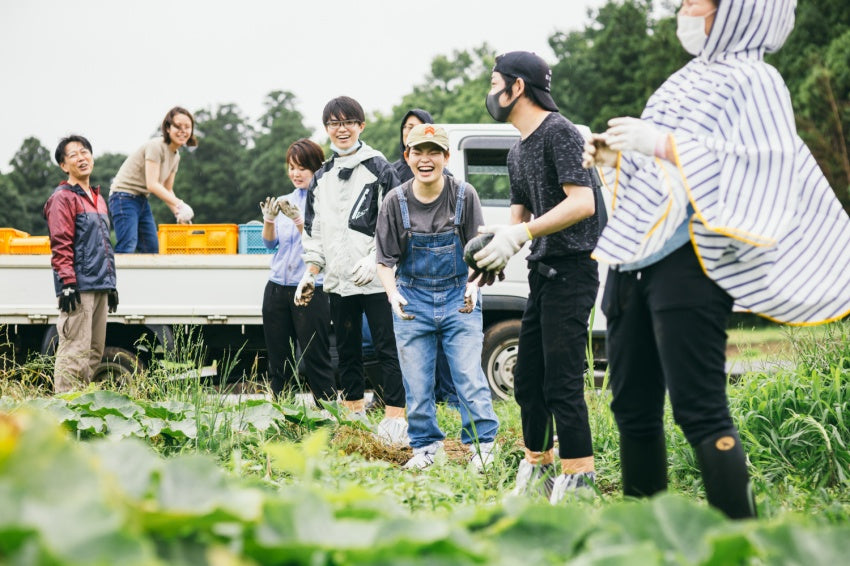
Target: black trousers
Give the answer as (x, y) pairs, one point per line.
(667, 330)
(284, 326)
(347, 314)
(552, 358)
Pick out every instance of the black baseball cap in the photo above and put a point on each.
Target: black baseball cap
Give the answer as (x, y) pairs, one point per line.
(533, 70)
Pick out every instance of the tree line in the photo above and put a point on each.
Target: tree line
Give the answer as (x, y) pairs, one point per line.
(607, 69)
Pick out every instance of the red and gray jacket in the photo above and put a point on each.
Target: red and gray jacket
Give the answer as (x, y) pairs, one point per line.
(79, 239)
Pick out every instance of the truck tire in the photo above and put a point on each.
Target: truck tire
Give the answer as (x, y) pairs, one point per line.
(499, 356)
(118, 366)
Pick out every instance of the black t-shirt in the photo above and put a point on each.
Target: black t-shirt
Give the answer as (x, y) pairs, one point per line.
(538, 167)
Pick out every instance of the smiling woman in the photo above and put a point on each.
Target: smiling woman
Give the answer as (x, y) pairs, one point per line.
(150, 170)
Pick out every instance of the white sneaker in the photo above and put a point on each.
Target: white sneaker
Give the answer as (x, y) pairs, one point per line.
(393, 430)
(423, 457)
(531, 478)
(482, 455)
(571, 483)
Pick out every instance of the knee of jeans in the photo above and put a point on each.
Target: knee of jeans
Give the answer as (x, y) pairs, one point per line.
(697, 425)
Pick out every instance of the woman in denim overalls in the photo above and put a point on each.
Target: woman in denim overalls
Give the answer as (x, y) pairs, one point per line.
(431, 299)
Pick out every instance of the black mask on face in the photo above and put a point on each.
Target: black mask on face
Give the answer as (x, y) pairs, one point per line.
(497, 111)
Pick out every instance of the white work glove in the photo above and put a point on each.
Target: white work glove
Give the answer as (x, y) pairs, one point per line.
(305, 289)
(291, 211)
(184, 213)
(270, 209)
(364, 270)
(632, 134)
(507, 241)
(470, 297)
(397, 302)
(596, 152)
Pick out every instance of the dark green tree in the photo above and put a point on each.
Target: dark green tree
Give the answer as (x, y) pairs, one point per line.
(12, 212)
(105, 168)
(34, 175)
(265, 174)
(612, 67)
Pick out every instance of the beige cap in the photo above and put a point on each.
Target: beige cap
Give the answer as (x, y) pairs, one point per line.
(428, 133)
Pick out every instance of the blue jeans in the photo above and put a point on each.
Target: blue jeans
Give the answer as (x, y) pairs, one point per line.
(461, 335)
(135, 228)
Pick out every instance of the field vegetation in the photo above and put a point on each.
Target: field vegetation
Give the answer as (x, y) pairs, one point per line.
(164, 469)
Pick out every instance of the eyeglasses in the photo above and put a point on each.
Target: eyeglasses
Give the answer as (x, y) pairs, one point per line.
(336, 124)
(182, 128)
(76, 154)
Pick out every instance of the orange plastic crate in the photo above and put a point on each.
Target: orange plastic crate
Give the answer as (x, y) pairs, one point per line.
(7, 234)
(29, 245)
(199, 239)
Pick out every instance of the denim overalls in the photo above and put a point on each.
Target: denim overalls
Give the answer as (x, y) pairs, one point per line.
(431, 276)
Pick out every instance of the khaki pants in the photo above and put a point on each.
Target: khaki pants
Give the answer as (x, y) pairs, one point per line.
(82, 337)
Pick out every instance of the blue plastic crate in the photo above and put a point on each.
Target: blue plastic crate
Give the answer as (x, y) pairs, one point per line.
(251, 239)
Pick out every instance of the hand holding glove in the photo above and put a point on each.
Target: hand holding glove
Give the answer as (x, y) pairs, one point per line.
(112, 300)
(69, 297)
(597, 152)
(270, 208)
(470, 297)
(507, 241)
(291, 211)
(364, 270)
(632, 134)
(184, 213)
(305, 289)
(397, 302)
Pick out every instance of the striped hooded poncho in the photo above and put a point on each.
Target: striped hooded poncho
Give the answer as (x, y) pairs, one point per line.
(766, 225)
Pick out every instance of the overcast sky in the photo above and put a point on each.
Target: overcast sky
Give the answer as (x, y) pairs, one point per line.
(110, 69)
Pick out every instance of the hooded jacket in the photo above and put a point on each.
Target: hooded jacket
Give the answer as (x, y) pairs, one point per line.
(402, 169)
(341, 214)
(79, 239)
(766, 226)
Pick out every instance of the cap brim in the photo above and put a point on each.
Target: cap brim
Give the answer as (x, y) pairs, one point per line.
(423, 142)
(545, 99)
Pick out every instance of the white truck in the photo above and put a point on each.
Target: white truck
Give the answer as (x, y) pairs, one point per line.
(221, 295)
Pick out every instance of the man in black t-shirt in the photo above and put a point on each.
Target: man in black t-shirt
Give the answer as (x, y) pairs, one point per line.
(549, 185)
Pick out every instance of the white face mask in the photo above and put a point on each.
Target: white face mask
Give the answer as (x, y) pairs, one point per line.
(691, 32)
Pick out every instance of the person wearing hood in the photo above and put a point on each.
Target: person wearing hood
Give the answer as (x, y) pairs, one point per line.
(717, 201)
(341, 213)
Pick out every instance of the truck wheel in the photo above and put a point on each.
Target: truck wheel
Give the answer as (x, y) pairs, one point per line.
(499, 355)
(118, 366)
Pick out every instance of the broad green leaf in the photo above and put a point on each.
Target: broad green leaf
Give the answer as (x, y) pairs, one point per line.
(102, 403)
(130, 464)
(119, 427)
(170, 410)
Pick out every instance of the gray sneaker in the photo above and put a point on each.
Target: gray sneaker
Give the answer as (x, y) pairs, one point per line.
(423, 457)
(532, 478)
(393, 431)
(571, 483)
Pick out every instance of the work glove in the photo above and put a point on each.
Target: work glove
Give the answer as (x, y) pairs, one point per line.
(470, 297)
(270, 208)
(305, 289)
(291, 211)
(364, 270)
(507, 240)
(69, 297)
(482, 277)
(397, 302)
(184, 213)
(112, 299)
(632, 134)
(597, 153)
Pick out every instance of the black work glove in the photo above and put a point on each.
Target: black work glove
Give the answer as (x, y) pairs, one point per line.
(69, 297)
(486, 277)
(112, 299)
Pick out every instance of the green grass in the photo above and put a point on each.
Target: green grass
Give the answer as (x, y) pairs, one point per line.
(793, 422)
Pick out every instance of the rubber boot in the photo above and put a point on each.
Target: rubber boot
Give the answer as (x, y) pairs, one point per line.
(723, 464)
(643, 464)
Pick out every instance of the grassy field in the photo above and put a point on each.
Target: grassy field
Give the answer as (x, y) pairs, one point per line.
(171, 472)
